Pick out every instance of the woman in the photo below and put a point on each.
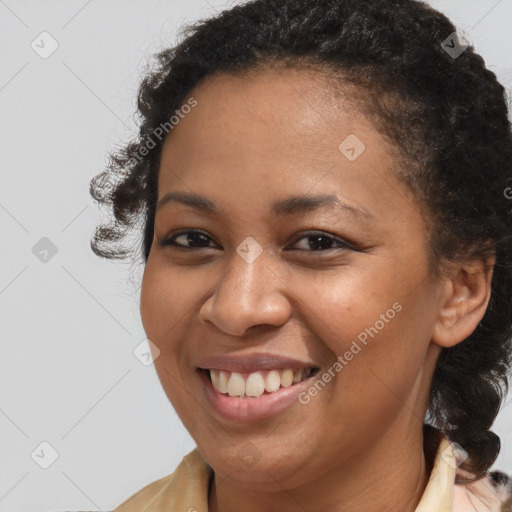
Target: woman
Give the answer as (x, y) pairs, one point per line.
(326, 240)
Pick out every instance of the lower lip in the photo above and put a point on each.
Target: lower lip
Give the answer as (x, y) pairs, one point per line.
(247, 409)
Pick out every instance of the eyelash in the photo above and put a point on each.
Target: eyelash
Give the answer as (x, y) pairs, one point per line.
(171, 241)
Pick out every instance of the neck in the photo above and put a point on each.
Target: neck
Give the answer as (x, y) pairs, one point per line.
(390, 476)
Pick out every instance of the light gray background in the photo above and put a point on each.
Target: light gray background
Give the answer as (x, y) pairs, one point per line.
(68, 375)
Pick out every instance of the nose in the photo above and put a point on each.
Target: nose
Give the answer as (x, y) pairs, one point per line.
(248, 295)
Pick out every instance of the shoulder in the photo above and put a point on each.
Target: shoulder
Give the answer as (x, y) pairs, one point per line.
(145, 495)
(491, 493)
(187, 484)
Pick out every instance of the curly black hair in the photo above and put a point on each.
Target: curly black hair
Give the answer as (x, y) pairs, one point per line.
(446, 115)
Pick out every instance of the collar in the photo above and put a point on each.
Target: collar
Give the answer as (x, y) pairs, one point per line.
(187, 488)
(438, 494)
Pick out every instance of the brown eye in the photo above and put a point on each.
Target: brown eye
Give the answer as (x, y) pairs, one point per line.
(321, 241)
(317, 241)
(190, 239)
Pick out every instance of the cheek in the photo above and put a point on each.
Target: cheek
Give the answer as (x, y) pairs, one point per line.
(379, 325)
(167, 297)
(164, 308)
(346, 304)
(163, 312)
(384, 298)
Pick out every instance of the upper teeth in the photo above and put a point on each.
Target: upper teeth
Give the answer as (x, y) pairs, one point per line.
(256, 383)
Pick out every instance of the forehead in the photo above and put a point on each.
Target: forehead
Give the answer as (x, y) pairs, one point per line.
(259, 137)
(284, 115)
(286, 101)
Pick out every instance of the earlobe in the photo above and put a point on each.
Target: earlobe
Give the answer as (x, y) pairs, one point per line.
(463, 302)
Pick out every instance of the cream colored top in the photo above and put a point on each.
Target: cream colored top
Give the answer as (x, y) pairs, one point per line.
(186, 489)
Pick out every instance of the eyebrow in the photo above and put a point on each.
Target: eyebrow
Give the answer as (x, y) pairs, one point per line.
(282, 207)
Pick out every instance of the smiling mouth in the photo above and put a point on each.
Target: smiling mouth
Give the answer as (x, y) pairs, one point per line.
(258, 383)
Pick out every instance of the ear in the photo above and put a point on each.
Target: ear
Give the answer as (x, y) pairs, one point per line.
(463, 301)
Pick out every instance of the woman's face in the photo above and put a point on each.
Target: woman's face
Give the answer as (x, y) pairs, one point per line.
(341, 286)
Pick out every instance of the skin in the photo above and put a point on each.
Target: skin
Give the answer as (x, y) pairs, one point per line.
(358, 444)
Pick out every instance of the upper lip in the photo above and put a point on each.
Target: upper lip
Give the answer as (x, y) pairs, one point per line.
(248, 363)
